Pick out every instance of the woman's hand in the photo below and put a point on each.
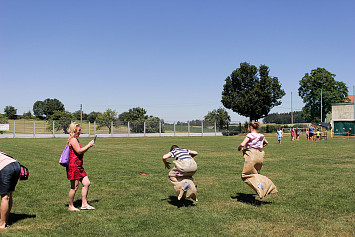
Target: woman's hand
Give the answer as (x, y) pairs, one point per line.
(92, 143)
(240, 147)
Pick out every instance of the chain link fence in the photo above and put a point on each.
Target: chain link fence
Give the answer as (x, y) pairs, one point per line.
(27, 128)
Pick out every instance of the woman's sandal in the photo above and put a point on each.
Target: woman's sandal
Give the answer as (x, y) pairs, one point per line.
(88, 207)
(73, 209)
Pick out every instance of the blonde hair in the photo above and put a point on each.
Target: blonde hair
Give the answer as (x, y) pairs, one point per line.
(255, 125)
(72, 128)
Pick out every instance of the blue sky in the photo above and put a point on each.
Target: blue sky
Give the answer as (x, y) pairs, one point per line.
(169, 57)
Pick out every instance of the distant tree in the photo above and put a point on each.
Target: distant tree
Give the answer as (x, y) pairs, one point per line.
(152, 125)
(62, 120)
(284, 118)
(27, 115)
(92, 116)
(38, 109)
(310, 91)
(219, 116)
(10, 112)
(105, 119)
(196, 122)
(44, 109)
(136, 116)
(77, 115)
(251, 92)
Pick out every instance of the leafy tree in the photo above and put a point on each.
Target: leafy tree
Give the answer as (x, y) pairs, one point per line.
(92, 116)
(133, 114)
(219, 116)
(310, 91)
(284, 118)
(38, 109)
(51, 105)
(46, 108)
(62, 120)
(251, 92)
(105, 119)
(10, 112)
(27, 115)
(77, 115)
(152, 125)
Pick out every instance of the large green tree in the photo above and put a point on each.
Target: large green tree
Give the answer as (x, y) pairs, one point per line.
(310, 89)
(105, 119)
(62, 120)
(251, 91)
(219, 116)
(46, 108)
(10, 112)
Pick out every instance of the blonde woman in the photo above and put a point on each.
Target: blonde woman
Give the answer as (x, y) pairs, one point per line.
(75, 170)
(253, 161)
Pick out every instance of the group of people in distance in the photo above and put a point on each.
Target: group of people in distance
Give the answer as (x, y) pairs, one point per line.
(180, 175)
(312, 133)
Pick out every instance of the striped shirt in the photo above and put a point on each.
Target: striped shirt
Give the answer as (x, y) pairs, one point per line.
(256, 140)
(180, 154)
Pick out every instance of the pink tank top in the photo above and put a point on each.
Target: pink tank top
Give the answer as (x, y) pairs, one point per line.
(256, 140)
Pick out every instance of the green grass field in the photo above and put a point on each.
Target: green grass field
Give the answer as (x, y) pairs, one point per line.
(315, 181)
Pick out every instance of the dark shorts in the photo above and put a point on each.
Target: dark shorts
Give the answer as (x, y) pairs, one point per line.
(9, 176)
(311, 134)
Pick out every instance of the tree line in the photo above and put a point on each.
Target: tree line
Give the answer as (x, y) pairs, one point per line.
(249, 91)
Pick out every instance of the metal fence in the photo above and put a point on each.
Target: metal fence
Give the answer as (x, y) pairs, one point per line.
(29, 128)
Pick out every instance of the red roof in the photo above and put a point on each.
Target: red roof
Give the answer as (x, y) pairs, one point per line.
(351, 97)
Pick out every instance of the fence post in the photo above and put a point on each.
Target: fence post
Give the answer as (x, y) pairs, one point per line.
(128, 128)
(202, 127)
(174, 129)
(95, 128)
(53, 128)
(111, 128)
(14, 128)
(188, 128)
(34, 128)
(159, 128)
(89, 128)
(144, 128)
(215, 128)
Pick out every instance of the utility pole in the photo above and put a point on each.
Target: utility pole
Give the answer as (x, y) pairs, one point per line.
(81, 115)
(321, 105)
(291, 111)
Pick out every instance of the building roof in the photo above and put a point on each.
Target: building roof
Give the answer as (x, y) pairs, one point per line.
(351, 97)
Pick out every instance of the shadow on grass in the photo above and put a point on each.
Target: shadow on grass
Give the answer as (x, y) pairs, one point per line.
(78, 202)
(173, 200)
(14, 217)
(249, 199)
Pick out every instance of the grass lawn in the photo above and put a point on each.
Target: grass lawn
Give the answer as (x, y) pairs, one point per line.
(315, 181)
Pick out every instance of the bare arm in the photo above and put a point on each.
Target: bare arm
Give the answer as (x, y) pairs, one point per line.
(240, 147)
(193, 153)
(76, 147)
(265, 142)
(165, 157)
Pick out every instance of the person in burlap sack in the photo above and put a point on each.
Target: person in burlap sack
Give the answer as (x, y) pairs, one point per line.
(181, 175)
(253, 161)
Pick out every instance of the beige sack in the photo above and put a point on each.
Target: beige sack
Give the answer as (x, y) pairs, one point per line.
(185, 188)
(253, 161)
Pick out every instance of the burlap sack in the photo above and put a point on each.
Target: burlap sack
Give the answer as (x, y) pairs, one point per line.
(185, 188)
(183, 168)
(253, 161)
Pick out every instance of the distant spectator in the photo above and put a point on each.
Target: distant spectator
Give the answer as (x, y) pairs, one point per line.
(279, 135)
(311, 132)
(292, 134)
(307, 134)
(298, 133)
(318, 134)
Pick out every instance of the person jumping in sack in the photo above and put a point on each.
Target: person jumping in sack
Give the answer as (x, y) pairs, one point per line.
(75, 170)
(9, 174)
